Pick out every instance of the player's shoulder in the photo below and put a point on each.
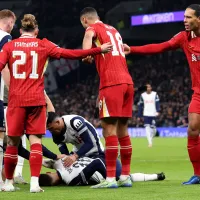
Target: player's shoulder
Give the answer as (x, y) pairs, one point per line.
(183, 34)
(4, 34)
(77, 122)
(154, 92)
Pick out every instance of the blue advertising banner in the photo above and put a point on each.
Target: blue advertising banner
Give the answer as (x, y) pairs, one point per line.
(140, 132)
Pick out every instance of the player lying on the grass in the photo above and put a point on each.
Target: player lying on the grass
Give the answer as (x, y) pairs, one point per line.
(86, 171)
(78, 131)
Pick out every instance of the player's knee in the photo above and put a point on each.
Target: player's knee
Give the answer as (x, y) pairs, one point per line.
(13, 141)
(35, 139)
(109, 126)
(193, 129)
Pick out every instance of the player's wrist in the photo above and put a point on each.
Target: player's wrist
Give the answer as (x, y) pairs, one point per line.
(76, 155)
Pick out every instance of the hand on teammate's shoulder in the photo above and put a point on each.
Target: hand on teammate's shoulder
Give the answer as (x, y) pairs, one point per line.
(127, 49)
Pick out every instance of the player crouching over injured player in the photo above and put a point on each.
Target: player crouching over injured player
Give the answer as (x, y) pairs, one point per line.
(86, 171)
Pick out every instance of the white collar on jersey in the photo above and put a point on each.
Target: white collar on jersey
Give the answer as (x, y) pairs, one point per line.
(193, 35)
(26, 35)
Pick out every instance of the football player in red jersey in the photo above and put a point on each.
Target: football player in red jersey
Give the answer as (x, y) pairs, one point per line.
(27, 60)
(115, 96)
(189, 41)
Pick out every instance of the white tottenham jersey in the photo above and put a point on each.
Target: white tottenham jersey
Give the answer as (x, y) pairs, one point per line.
(4, 38)
(75, 126)
(69, 173)
(149, 101)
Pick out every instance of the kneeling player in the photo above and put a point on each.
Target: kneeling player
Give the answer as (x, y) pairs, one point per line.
(78, 131)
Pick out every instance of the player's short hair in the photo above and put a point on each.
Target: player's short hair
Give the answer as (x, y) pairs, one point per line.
(29, 23)
(5, 13)
(196, 8)
(51, 117)
(45, 180)
(88, 10)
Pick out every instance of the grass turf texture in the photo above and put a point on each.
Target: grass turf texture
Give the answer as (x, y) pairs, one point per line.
(168, 155)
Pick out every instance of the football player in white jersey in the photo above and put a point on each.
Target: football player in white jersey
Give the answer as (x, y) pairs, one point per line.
(86, 171)
(149, 107)
(7, 21)
(78, 131)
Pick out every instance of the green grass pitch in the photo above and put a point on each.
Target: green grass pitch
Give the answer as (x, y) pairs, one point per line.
(168, 155)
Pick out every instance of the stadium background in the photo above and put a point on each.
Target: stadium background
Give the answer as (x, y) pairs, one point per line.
(73, 85)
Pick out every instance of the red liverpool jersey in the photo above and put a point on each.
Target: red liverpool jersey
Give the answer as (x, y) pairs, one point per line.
(191, 46)
(111, 67)
(27, 61)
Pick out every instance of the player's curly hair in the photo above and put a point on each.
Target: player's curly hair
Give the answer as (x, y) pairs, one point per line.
(196, 8)
(29, 23)
(45, 180)
(5, 13)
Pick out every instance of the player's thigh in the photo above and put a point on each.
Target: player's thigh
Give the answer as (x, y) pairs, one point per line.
(122, 127)
(109, 126)
(15, 118)
(194, 115)
(36, 120)
(127, 107)
(111, 101)
(149, 121)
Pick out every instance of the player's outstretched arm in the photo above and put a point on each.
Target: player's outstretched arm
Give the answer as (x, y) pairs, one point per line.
(174, 43)
(55, 52)
(147, 49)
(74, 54)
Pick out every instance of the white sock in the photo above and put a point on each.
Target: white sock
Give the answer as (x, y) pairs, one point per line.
(110, 179)
(148, 134)
(1, 158)
(144, 177)
(123, 177)
(9, 181)
(19, 167)
(20, 163)
(153, 132)
(34, 181)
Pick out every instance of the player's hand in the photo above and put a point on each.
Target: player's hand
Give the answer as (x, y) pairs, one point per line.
(106, 47)
(48, 163)
(69, 160)
(60, 156)
(157, 114)
(88, 59)
(127, 49)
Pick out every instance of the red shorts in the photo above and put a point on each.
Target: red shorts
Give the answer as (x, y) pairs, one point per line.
(194, 106)
(116, 101)
(30, 119)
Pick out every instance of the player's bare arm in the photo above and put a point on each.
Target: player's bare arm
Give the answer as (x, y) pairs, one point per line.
(87, 44)
(87, 40)
(148, 49)
(50, 107)
(6, 76)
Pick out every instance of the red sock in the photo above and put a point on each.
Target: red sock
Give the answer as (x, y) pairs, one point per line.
(35, 159)
(194, 153)
(125, 153)
(111, 153)
(10, 161)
